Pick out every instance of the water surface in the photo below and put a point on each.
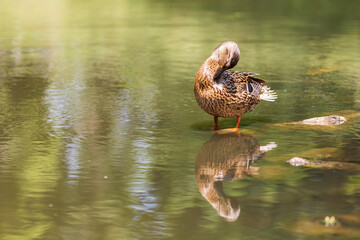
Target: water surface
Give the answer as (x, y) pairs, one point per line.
(101, 138)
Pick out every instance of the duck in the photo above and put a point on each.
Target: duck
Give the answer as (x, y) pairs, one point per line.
(226, 158)
(221, 92)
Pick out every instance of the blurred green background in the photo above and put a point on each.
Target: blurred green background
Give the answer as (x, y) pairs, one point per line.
(101, 137)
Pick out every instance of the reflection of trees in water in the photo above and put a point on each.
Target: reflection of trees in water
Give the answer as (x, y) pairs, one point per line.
(226, 157)
(28, 151)
(67, 117)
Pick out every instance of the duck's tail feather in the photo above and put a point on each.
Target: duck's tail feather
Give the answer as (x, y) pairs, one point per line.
(256, 79)
(268, 94)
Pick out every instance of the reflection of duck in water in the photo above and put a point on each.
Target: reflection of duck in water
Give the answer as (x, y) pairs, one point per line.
(226, 157)
(224, 93)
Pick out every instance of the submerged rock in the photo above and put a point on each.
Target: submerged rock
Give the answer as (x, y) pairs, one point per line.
(325, 120)
(345, 226)
(323, 70)
(297, 161)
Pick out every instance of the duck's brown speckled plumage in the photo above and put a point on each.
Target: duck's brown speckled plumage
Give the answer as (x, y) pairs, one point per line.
(224, 93)
(226, 158)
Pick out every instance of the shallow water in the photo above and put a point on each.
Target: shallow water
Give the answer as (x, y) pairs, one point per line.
(101, 138)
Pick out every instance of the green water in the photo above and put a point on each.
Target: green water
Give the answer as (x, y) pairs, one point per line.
(101, 137)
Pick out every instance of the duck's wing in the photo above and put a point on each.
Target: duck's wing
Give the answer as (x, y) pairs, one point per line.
(245, 80)
(251, 75)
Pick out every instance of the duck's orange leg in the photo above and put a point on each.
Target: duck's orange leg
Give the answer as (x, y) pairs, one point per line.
(238, 122)
(215, 123)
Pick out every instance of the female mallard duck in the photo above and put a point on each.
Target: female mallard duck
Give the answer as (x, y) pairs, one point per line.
(226, 158)
(224, 93)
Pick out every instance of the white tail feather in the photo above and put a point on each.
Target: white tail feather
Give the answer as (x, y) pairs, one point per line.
(268, 94)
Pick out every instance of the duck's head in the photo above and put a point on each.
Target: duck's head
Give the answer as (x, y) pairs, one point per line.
(227, 54)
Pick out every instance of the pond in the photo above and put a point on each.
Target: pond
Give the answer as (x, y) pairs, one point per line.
(101, 137)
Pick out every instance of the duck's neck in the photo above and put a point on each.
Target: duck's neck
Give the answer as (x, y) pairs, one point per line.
(209, 72)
